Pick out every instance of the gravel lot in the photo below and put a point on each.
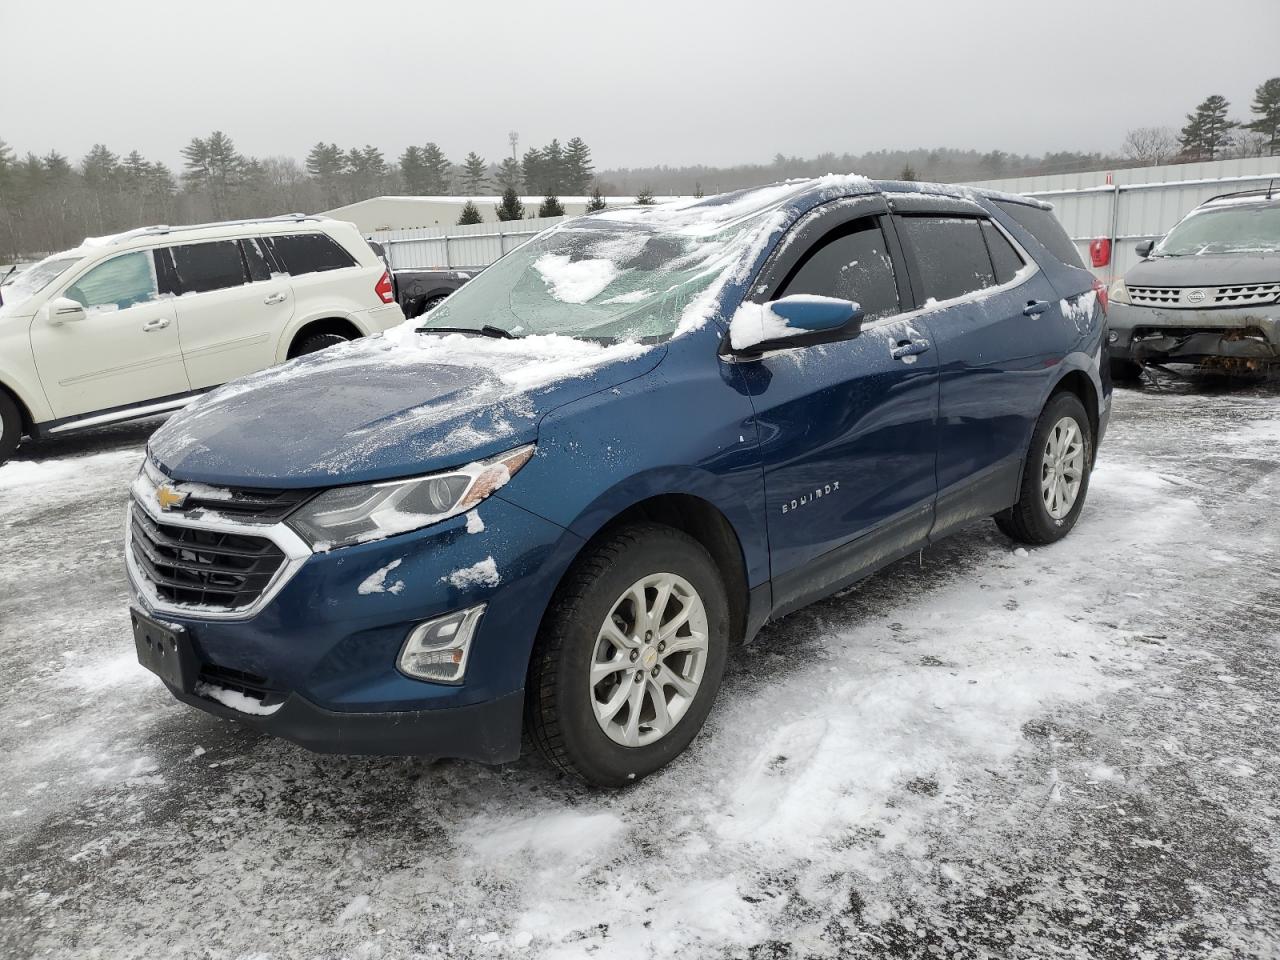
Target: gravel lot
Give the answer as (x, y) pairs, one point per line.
(1066, 752)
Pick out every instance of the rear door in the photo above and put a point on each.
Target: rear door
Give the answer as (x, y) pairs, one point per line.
(325, 278)
(991, 315)
(847, 430)
(123, 352)
(231, 308)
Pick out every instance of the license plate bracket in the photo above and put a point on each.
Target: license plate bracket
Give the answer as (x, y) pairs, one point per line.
(165, 650)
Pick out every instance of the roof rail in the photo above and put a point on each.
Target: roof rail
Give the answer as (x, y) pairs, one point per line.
(163, 228)
(1265, 192)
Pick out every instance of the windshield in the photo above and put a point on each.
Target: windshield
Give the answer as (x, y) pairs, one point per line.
(25, 285)
(1242, 228)
(596, 279)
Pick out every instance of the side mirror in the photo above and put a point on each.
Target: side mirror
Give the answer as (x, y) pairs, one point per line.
(64, 310)
(800, 320)
(1143, 249)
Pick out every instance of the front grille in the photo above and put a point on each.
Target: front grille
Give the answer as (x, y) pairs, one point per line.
(1241, 295)
(205, 568)
(247, 505)
(250, 684)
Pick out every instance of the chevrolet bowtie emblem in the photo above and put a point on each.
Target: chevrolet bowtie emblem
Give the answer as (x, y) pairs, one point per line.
(169, 498)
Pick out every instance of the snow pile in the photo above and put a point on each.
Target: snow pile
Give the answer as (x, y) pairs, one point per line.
(376, 582)
(575, 281)
(235, 700)
(484, 573)
(474, 523)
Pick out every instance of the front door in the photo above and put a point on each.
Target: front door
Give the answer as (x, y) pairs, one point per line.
(124, 351)
(848, 431)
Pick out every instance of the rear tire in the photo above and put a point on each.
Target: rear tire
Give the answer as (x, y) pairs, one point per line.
(317, 341)
(572, 688)
(10, 426)
(1055, 477)
(1125, 371)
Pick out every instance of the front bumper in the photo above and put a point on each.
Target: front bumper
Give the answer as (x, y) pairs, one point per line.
(1155, 334)
(323, 650)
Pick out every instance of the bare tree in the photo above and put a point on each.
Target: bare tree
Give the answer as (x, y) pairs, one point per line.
(1150, 145)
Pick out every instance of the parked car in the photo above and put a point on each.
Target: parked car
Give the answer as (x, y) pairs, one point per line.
(139, 323)
(599, 468)
(1204, 293)
(419, 290)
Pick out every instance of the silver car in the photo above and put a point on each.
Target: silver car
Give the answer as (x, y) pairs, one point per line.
(1206, 293)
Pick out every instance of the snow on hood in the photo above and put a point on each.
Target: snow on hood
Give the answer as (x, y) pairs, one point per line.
(381, 407)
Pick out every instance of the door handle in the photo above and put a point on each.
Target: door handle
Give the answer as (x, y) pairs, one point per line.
(909, 348)
(1035, 307)
(276, 298)
(151, 326)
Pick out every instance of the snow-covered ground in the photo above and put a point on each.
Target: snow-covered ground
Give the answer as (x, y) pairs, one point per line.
(987, 751)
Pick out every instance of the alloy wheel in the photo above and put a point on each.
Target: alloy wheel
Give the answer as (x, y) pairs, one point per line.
(1062, 468)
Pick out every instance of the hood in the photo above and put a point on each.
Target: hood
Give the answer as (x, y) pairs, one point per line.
(384, 407)
(1206, 270)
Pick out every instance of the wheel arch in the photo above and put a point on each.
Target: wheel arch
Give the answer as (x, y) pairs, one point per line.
(1079, 383)
(340, 325)
(24, 412)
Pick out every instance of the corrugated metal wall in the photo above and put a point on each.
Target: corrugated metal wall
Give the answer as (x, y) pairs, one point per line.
(1141, 203)
(470, 247)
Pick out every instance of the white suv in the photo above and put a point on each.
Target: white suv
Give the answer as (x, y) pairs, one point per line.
(139, 323)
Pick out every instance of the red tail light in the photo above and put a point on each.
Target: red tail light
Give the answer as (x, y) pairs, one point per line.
(1100, 251)
(1100, 289)
(385, 291)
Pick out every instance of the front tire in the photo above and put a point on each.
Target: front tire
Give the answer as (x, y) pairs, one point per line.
(630, 656)
(1055, 477)
(10, 426)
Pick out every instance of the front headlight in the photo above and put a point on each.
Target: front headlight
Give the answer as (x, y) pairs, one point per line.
(1119, 293)
(346, 515)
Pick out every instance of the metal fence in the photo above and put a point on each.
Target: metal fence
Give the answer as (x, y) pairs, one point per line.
(467, 248)
(1138, 204)
(1125, 206)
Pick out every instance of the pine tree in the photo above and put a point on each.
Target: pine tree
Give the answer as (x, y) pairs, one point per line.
(577, 166)
(56, 166)
(412, 170)
(475, 176)
(1208, 131)
(511, 208)
(100, 165)
(470, 214)
(532, 166)
(327, 164)
(596, 203)
(645, 197)
(551, 207)
(553, 169)
(908, 173)
(1266, 107)
(509, 174)
(437, 171)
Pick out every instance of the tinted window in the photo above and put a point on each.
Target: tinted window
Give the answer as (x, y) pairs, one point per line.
(308, 253)
(851, 263)
(255, 259)
(1004, 258)
(950, 253)
(116, 284)
(202, 267)
(1044, 226)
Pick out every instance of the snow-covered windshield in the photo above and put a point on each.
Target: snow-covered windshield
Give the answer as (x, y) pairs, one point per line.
(25, 285)
(596, 278)
(1236, 229)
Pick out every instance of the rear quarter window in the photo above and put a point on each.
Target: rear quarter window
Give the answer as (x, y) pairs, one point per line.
(300, 253)
(1044, 226)
(950, 254)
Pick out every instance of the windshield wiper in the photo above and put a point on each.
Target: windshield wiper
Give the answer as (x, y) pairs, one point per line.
(488, 330)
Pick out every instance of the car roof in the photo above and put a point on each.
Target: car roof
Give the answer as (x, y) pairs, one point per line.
(1260, 197)
(161, 234)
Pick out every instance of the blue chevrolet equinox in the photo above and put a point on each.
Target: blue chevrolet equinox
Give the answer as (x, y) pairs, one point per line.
(558, 502)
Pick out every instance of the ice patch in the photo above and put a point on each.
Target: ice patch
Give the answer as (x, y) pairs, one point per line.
(376, 582)
(474, 523)
(484, 573)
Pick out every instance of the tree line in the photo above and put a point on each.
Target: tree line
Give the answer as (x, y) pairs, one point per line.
(48, 202)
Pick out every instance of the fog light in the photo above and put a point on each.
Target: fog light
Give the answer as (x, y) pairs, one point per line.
(437, 649)
(1112, 337)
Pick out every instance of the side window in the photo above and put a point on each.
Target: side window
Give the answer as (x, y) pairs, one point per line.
(255, 259)
(851, 263)
(1004, 258)
(950, 255)
(118, 283)
(1044, 226)
(301, 253)
(202, 267)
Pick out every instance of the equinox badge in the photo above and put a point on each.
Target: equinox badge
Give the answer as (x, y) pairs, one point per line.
(169, 498)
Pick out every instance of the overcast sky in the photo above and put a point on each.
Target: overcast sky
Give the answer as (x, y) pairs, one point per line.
(642, 83)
